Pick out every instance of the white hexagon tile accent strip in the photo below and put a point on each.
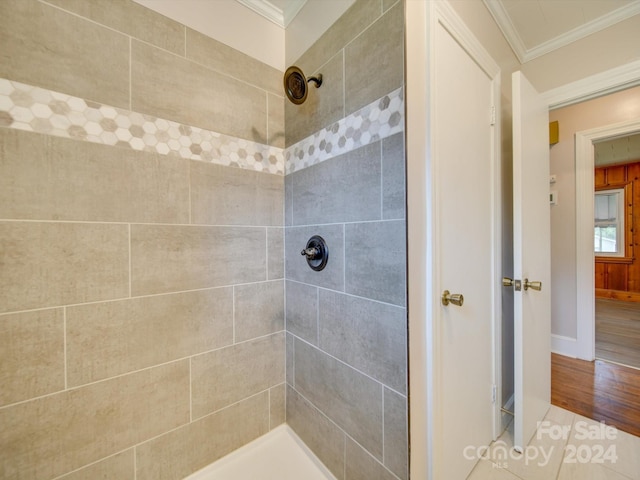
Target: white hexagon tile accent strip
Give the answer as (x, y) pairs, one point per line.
(36, 109)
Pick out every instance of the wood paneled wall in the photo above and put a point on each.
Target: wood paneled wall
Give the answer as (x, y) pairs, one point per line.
(619, 277)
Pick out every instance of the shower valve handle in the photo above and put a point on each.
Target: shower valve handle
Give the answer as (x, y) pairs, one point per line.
(311, 253)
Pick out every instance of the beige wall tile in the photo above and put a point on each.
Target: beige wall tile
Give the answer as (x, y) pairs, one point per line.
(234, 196)
(53, 435)
(276, 119)
(258, 309)
(31, 354)
(218, 56)
(171, 258)
(44, 46)
(230, 374)
(130, 18)
(120, 467)
(53, 264)
(51, 178)
(277, 405)
(171, 87)
(194, 446)
(379, 49)
(108, 339)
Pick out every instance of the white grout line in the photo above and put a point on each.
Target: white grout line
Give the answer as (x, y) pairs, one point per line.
(64, 325)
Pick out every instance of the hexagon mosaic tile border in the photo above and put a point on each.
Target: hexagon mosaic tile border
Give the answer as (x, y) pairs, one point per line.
(375, 121)
(36, 109)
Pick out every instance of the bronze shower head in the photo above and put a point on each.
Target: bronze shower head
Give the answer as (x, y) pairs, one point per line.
(295, 84)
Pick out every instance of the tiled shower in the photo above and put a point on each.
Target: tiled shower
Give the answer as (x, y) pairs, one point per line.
(156, 189)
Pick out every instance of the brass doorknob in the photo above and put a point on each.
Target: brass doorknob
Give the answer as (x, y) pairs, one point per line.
(455, 298)
(532, 285)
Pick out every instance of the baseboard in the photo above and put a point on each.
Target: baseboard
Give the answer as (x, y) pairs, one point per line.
(618, 295)
(566, 346)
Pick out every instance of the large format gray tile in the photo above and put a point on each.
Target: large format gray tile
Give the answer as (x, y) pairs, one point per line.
(396, 434)
(352, 400)
(393, 177)
(174, 258)
(360, 465)
(323, 106)
(111, 338)
(258, 309)
(131, 18)
(171, 87)
(275, 127)
(275, 253)
(343, 189)
(53, 435)
(54, 264)
(49, 48)
(379, 49)
(319, 433)
(277, 405)
(288, 201)
(375, 261)
(368, 335)
(32, 354)
(223, 377)
(290, 348)
(50, 178)
(296, 267)
(302, 311)
(194, 446)
(235, 196)
(120, 466)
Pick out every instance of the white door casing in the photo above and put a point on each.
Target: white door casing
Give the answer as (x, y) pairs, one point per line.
(532, 253)
(466, 244)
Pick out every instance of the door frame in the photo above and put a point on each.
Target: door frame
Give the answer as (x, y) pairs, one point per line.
(585, 344)
(423, 300)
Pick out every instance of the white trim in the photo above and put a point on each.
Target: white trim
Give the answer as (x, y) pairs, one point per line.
(609, 81)
(525, 54)
(268, 10)
(585, 265)
(566, 346)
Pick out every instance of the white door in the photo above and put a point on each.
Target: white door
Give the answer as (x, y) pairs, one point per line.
(464, 236)
(531, 226)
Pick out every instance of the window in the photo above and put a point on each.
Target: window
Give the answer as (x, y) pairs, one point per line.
(609, 223)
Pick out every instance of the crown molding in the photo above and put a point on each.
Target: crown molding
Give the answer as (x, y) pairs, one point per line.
(268, 10)
(497, 10)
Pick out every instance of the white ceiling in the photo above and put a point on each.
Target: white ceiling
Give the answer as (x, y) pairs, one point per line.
(536, 27)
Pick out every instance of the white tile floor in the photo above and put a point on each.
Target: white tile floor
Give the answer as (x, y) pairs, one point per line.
(567, 446)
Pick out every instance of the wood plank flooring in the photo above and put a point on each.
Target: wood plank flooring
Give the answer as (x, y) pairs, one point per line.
(599, 390)
(618, 331)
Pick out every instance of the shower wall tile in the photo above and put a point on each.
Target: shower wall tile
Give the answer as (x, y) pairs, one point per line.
(275, 126)
(360, 465)
(181, 452)
(369, 336)
(132, 19)
(112, 338)
(319, 433)
(275, 253)
(218, 56)
(396, 434)
(393, 177)
(290, 347)
(323, 106)
(387, 4)
(70, 180)
(92, 422)
(233, 196)
(119, 466)
(288, 200)
(343, 189)
(352, 400)
(356, 19)
(379, 270)
(81, 58)
(386, 60)
(296, 267)
(174, 258)
(258, 309)
(198, 96)
(277, 406)
(32, 354)
(54, 264)
(223, 377)
(302, 311)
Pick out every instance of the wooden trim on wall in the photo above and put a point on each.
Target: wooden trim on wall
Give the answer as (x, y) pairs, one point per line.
(618, 295)
(624, 260)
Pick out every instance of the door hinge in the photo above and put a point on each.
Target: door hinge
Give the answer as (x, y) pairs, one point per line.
(494, 393)
(493, 115)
